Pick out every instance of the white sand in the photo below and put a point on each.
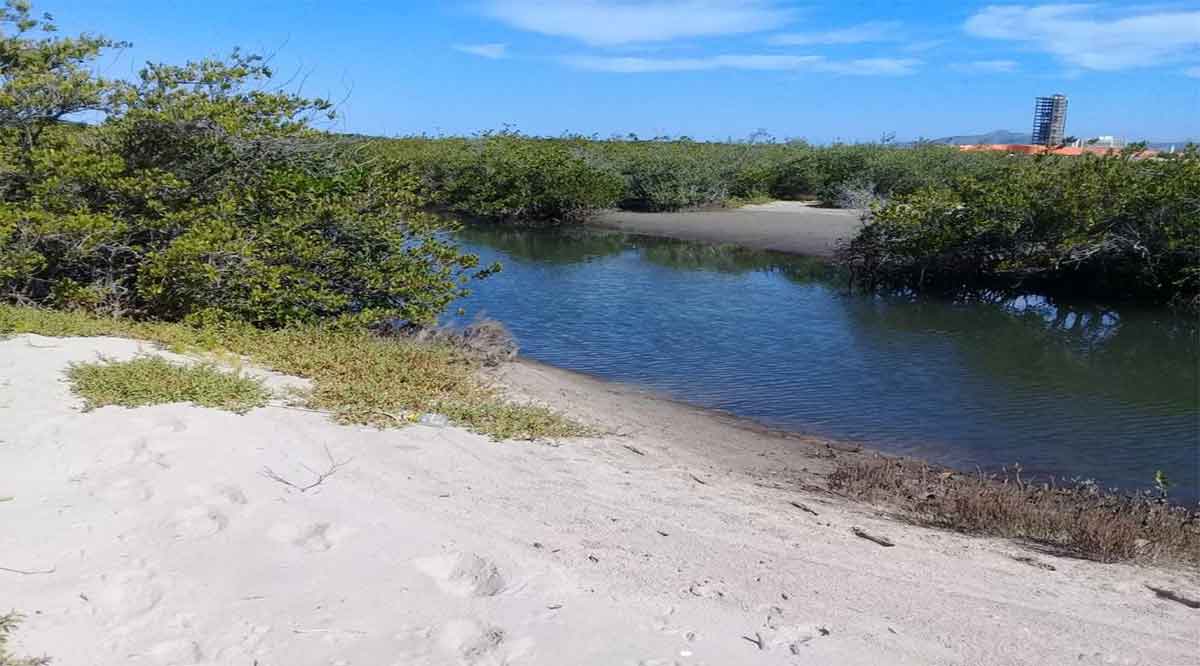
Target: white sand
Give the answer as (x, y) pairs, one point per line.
(169, 545)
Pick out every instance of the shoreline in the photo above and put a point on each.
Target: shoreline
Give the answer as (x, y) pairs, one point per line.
(158, 536)
(792, 227)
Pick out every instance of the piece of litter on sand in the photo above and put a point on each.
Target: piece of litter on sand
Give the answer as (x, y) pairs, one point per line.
(1173, 596)
(434, 420)
(554, 606)
(863, 534)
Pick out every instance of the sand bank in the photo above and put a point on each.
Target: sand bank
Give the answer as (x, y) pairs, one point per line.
(179, 535)
(783, 226)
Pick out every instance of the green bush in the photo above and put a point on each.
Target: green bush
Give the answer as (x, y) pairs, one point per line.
(507, 177)
(201, 193)
(1107, 225)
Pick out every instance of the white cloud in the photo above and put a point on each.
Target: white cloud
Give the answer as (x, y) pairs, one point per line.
(1193, 72)
(640, 65)
(615, 22)
(986, 66)
(872, 67)
(492, 51)
(875, 31)
(1093, 37)
(922, 46)
(762, 62)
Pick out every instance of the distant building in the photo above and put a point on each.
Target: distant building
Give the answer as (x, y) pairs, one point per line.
(1106, 141)
(1068, 151)
(1050, 120)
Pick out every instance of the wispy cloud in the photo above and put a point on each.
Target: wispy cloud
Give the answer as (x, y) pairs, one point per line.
(923, 45)
(762, 62)
(641, 65)
(875, 31)
(616, 22)
(872, 67)
(986, 66)
(1092, 36)
(492, 51)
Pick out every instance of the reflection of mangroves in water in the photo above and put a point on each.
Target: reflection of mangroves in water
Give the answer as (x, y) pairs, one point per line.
(1145, 357)
(568, 246)
(559, 246)
(683, 255)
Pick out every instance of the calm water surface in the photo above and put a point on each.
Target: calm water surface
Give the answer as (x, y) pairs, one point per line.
(1074, 390)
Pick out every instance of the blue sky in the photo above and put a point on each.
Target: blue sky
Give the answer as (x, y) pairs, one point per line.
(822, 70)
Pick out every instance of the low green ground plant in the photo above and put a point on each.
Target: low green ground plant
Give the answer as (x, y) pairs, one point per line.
(8, 625)
(152, 380)
(357, 376)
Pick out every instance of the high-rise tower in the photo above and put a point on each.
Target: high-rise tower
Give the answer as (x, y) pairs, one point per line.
(1050, 120)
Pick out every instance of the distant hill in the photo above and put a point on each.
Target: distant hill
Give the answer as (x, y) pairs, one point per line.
(997, 136)
(1166, 145)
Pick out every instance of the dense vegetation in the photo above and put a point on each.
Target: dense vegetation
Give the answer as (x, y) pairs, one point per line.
(1113, 226)
(200, 207)
(506, 176)
(201, 192)
(1117, 226)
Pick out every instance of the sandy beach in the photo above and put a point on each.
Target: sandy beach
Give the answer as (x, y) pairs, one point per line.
(783, 226)
(177, 535)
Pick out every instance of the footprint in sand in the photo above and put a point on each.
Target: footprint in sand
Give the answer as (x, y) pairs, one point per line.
(207, 519)
(198, 522)
(315, 537)
(175, 653)
(129, 594)
(219, 493)
(126, 491)
(472, 642)
(141, 453)
(463, 574)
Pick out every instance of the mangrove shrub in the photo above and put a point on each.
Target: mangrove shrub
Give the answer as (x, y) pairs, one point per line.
(1114, 225)
(197, 191)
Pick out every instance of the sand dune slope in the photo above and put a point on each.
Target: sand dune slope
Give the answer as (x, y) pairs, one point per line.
(171, 535)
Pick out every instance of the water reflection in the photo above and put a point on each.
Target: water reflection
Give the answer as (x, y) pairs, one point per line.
(1062, 387)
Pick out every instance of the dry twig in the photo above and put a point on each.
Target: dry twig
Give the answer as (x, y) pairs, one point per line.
(863, 534)
(30, 572)
(334, 466)
(804, 507)
(757, 641)
(1173, 596)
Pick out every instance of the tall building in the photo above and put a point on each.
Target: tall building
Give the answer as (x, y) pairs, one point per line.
(1050, 120)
